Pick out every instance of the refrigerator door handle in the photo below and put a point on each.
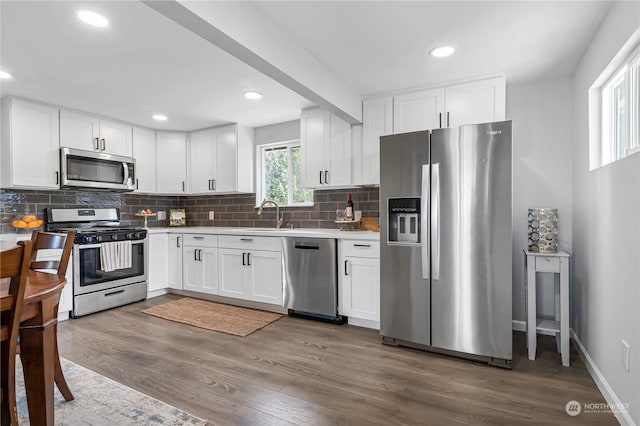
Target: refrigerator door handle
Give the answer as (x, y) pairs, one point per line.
(435, 222)
(424, 220)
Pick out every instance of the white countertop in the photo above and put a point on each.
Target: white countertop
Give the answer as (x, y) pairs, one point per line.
(271, 232)
(11, 238)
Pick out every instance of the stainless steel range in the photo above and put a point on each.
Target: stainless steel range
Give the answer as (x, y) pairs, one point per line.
(110, 262)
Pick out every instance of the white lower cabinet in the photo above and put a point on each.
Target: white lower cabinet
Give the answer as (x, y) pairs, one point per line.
(200, 263)
(174, 262)
(360, 282)
(266, 277)
(158, 273)
(233, 273)
(250, 274)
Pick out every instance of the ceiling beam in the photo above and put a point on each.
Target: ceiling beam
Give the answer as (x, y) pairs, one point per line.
(244, 32)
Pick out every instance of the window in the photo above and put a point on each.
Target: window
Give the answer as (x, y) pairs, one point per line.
(279, 170)
(614, 108)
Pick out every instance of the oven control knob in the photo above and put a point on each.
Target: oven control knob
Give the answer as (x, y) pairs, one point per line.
(88, 239)
(98, 238)
(114, 237)
(129, 235)
(140, 235)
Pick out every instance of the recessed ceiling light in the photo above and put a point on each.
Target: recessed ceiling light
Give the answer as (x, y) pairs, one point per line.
(159, 117)
(4, 74)
(252, 95)
(92, 18)
(442, 51)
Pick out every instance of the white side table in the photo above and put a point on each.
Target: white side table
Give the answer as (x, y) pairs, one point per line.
(557, 263)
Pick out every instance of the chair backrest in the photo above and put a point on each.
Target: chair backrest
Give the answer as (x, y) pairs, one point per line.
(47, 241)
(14, 265)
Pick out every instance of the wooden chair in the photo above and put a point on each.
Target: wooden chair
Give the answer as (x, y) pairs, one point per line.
(14, 265)
(47, 241)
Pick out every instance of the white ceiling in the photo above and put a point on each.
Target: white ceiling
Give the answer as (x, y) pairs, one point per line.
(380, 46)
(143, 63)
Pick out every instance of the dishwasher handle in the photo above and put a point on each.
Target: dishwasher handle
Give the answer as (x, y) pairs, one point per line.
(307, 246)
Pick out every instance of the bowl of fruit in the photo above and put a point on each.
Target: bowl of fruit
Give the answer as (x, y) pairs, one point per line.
(145, 213)
(27, 223)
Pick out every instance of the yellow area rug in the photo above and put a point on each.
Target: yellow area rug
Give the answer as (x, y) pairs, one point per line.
(214, 316)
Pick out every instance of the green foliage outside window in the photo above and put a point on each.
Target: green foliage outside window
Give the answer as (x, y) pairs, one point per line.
(282, 176)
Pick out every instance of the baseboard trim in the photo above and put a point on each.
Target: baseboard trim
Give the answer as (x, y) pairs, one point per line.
(610, 396)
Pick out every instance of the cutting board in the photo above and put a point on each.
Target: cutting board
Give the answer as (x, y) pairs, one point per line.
(369, 224)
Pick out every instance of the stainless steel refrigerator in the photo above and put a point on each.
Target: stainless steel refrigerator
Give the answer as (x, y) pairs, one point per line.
(446, 241)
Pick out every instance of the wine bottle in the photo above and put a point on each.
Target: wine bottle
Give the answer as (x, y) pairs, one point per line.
(348, 212)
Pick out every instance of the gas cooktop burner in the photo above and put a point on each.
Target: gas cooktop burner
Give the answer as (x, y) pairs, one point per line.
(102, 235)
(93, 226)
(99, 229)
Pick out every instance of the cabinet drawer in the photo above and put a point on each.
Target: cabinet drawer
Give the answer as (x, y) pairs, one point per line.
(549, 264)
(198, 240)
(360, 248)
(250, 242)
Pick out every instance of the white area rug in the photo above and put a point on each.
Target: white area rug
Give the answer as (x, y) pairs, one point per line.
(102, 401)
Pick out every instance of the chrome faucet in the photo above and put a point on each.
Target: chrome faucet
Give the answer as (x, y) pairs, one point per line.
(279, 219)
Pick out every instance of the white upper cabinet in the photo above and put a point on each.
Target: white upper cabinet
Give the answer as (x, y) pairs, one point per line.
(144, 152)
(377, 120)
(481, 101)
(171, 163)
(421, 110)
(475, 102)
(82, 131)
(325, 141)
(30, 145)
(221, 160)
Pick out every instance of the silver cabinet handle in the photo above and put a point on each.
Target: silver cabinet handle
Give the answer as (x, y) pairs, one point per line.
(447, 118)
(243, 261)
(214, 184)
(200, 255)
(97, 141)
(178, 241)
(440, 120)
(246, 240)
(195, 254)
(137, 184)
(345, 267)
(104, 144)
(362, 245)
(182, 186)
(326, 176)
(57, 178)
(249, 259)
(320, 177)
(198, 238)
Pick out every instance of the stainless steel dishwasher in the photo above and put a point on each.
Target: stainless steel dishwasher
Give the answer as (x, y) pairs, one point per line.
(311, 278)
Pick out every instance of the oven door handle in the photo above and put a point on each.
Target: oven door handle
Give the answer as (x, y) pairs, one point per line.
(88, 246)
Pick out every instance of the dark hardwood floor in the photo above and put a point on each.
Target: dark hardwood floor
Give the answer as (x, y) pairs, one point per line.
(296, 371)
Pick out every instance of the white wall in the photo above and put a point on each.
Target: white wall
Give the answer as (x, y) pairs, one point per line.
(606, 230)
(541, 114)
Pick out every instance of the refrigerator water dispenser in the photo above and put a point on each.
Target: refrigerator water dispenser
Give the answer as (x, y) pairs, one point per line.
(404, 220)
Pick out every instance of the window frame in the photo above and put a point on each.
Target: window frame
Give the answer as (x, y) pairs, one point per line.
(633, 88)
(260, 172)
(625, 66)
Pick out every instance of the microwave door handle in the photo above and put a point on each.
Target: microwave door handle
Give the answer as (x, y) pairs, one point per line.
(125, 166)
(425, 193)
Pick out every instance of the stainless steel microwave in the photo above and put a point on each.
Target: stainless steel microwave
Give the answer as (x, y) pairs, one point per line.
(96, 170)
